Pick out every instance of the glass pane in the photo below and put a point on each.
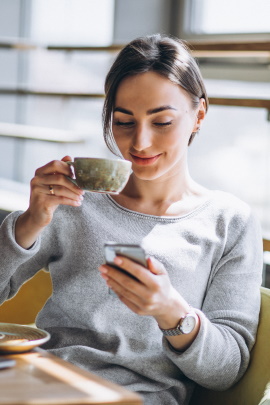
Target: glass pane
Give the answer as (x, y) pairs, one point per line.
(231, 16)
(237, 89)
(231, 153)
(73, 22)
(61, 22)
(68, 71)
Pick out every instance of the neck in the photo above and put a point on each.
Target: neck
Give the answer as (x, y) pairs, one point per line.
(170, 189)
(173, 194)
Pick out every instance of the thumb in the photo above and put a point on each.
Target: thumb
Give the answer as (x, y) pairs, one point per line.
(155, 266)
(66, 159)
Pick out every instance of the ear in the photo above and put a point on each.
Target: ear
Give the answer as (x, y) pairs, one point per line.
(200, 115)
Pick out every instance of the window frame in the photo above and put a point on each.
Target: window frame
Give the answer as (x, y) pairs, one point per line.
(186, 25)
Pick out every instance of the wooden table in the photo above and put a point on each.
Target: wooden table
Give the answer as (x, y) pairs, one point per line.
(39, 378)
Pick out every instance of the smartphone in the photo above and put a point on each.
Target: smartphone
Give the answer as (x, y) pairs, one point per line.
(6, 363)
(133, 252)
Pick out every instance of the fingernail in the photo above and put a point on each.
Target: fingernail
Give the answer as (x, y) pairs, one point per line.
(104, 276)
(103, 269)
(81, 197)
(118, 260)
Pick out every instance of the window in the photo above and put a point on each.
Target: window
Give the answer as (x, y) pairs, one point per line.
(230, 16)
(210, 17)
(64, 23)
(73, 22)
(233, 146)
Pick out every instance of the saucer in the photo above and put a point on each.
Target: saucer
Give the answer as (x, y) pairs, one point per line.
(20, 338)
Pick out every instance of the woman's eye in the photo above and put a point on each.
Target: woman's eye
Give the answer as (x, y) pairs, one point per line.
(123, 124)
(163, 124)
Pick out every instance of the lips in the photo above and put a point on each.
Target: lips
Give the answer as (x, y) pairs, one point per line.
(144, 160)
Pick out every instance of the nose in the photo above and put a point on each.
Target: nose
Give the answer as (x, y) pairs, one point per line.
(142, 138)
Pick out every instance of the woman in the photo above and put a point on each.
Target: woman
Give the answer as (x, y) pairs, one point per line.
(192, 316)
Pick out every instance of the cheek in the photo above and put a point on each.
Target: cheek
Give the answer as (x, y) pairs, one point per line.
(182, 134)
(175, 140)
(116, 133)
(121, 141)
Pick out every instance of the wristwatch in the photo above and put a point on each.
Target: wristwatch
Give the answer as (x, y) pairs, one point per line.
(185, 326)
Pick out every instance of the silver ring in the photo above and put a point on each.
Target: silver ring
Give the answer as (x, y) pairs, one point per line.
(51, 190)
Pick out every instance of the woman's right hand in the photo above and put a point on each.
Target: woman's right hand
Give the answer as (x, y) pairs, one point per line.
(42, 202)
(49, 188)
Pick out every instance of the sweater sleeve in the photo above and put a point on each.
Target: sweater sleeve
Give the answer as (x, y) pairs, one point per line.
(219, 355)
(17, 264)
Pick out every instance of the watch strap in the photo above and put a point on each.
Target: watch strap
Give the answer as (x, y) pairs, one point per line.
(178, 329)
(171, 332)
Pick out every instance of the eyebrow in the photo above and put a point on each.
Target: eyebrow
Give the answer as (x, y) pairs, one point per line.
(148, 112)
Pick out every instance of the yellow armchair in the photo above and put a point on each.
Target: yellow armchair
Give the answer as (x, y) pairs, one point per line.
(24, 307)
(254, 386)
(252, 389)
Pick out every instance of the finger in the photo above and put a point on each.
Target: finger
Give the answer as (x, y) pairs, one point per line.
(66, 159)
(67, 201)
(56, 180)
(135, 269)
(42, 198)
(138, 299)
(116, 289)
(131, 305)
(124, 284)
(55, 166)
(62, 183)
(131, 291)
(41, 195)
(61, 191)
(155, 266)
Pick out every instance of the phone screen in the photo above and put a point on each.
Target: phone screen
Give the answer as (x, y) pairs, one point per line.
(133, 252)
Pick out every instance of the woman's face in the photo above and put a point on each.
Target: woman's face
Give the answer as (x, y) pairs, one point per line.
(153, 120)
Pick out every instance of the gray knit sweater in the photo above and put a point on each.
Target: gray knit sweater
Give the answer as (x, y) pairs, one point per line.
(214, 259)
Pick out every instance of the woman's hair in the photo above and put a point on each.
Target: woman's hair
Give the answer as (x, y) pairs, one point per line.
(167, 56)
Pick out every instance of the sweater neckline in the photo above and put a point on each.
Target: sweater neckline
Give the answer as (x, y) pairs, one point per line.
(192, 213)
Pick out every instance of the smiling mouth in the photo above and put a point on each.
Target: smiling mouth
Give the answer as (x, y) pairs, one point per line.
(145, 160)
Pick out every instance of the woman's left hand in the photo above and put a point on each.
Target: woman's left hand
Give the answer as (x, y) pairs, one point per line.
(151, 294)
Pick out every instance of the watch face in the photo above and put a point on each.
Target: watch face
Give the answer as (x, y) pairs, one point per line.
(188, 324)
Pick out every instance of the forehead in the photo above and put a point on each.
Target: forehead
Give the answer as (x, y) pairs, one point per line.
(151, 89)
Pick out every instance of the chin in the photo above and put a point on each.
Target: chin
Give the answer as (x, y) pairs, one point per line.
(146, 176)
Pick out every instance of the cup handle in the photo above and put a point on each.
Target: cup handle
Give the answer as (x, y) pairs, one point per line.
(70, 178)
